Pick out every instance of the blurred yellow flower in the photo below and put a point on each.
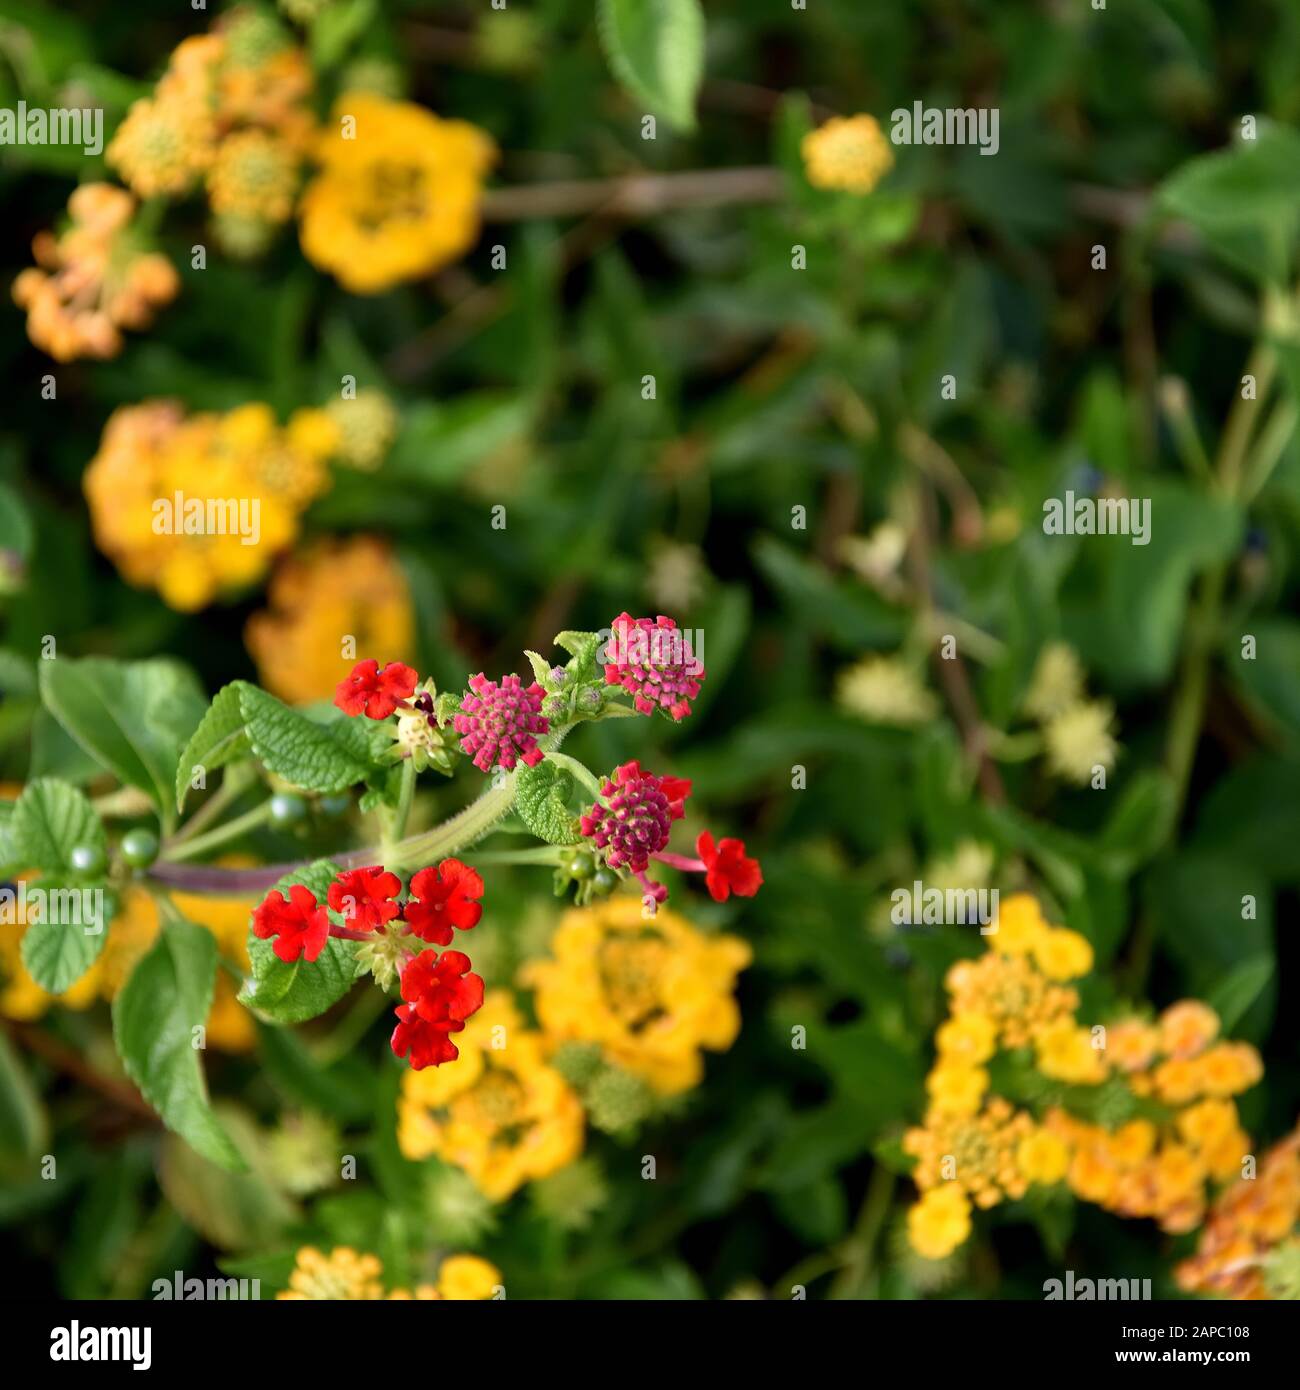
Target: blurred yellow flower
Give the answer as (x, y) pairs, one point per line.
(343, 1274)
(1079, 739)
(196, 506)
(467, 1278)
(1043, 1157)
(1062, 954)
(1056, 684)
(330, 605)
(1020, 925)
(397, 195)
(939, 1222)
(93, 280)
(969, 1038)
(366, 426)
(163, 146)
(956, 1090)
(254, 174)
(975, 1153)
(885, 690)
(500, 1112)
(1065, 1053)
(652, 992)
(848, 153)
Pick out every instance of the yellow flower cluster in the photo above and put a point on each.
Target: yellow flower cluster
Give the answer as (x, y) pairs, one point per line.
(195, 505)
(366, 424)
(1250, 1237)
(397, 193)
(501, 1113)
(329, 604)
(346, 1275)
(128, 937)
(1017, 985)
(977, 1153)
(848, 153)
(232, 109)
(886, 690)
(651, 992)
(1077, 732)
(977, 1148)
(93, 280)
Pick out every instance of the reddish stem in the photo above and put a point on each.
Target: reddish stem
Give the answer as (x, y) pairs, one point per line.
(680, 861)
(347, 934)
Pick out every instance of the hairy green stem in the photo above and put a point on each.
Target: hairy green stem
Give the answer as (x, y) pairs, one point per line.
(463, 829)
(580, 770)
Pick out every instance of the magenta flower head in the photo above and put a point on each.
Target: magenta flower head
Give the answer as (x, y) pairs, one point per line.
(654, 663)
(498, 724)
(635, 822)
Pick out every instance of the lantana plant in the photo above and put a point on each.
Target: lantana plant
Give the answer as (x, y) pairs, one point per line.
(397, 909)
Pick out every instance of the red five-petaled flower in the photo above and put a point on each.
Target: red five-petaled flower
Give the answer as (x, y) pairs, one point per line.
(727, 870)
(444, 898)
(440, 995)
(364, 897)
(368, 690)
(300, 926)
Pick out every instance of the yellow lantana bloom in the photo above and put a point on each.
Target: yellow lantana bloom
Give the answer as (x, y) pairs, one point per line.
(499, 1112)
(651, 991)
(397, 196)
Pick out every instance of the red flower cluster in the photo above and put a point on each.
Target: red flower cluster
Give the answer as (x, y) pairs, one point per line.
(654, 663)
(498, 724)
(438, 990)
(638, 817)
(440, 995)
(376, 694)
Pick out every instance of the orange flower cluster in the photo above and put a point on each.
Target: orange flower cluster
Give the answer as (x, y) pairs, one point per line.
(1249, 1245)
(977, 1149)
(93, 280)
(230, 109)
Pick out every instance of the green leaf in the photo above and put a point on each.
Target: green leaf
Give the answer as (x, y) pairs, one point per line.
(23, 1125)
(1214, 915)
(1269, 678)
(51, 819)
(16, 534)
(65, 935)
(317, 756)
(294, 991)
(1233, 997)
(60, 946)
(1140, 824)
(656, 50)
(219, 739)
(541, 668)
(168, 994)
(542, 800)
(817, 1212)
(335, 28)
(1256, 181)
(132, 717)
